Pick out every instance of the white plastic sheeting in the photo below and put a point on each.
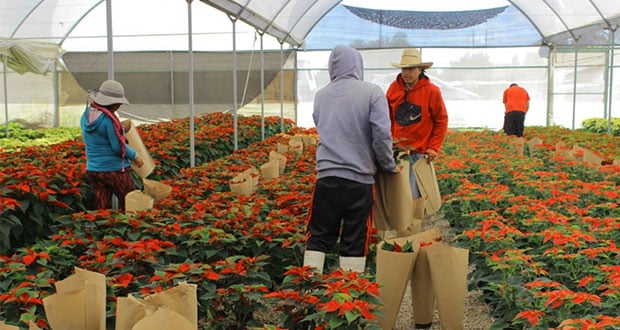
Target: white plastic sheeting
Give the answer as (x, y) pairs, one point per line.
(290, 21)
(29, 55)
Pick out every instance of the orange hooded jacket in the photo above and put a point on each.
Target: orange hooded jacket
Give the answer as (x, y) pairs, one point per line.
(431, 130)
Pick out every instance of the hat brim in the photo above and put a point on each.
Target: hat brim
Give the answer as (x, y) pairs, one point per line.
(424, 65)
(107, 100)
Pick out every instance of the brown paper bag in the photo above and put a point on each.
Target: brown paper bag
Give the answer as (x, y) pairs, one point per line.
(79, 302)
(393, 273)
(297, 146)
(592, 158)
(393, 209)
(156, 189)
(254, 176)
(273, 155)
(518, 145)
(532, 144)
(307, 140)
(270, 170)
(241, 184)
(281, 148)
(427, 182)
(448, 268)
(135, 142)
(137, 200)
(422, 295)
(175, 308)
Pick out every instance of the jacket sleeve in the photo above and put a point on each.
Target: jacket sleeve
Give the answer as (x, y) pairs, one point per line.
(115, 143)
(440, 120)
(380, 130)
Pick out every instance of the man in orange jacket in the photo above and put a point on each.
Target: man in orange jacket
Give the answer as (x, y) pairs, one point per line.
(517, 102)
(417, 111)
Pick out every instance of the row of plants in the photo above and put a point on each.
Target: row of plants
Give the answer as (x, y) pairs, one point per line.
(244, 252)
(542, 231)
(14, 136)
(40, 183)
(602, 125)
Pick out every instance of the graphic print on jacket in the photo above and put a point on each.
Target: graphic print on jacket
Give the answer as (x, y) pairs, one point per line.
(408, 113)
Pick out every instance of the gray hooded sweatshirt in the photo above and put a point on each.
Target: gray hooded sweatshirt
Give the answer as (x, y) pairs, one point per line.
(352, 119)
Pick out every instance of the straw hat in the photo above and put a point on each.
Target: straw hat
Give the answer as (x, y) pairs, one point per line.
(110, 92)
(411, 58)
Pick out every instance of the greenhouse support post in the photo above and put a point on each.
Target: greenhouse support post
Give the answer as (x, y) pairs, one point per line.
(235, 105)
(611, 77)
(550, 90)
(6, 97)
(262, 88)
(110, 39)
(281, 86)
(575, 85)
(55, 91)
(192, 145)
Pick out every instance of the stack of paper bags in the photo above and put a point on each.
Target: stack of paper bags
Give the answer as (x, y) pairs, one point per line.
(427, 183)
(79, 302)
(394, 209)
(394, 271)
(176, 308)
(439, 276)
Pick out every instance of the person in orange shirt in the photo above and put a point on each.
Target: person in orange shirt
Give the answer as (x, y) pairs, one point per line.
(517, 102)
(417, 112)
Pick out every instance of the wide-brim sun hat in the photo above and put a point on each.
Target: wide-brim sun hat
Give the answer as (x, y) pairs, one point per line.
(412, 58)
(110, 92)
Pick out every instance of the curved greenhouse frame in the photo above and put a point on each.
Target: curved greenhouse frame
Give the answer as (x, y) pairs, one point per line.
(183, 58)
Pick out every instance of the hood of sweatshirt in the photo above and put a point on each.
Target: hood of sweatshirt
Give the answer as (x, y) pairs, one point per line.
(345, 62)
(91, 119)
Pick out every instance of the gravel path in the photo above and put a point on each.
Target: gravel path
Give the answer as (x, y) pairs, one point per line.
(477, 315)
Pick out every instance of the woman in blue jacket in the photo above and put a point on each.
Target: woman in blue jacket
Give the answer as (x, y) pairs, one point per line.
(108, 155)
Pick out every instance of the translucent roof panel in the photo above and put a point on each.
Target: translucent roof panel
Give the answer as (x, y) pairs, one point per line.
(585, 22)
(287, 20)
(50, 20)
(568, 21)
(366, 27)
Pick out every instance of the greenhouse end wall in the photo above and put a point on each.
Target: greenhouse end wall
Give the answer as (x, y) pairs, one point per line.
(471, 79)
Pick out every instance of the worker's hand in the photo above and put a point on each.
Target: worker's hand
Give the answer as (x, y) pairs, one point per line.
(431, 155)
(398, 169)
(138, 161)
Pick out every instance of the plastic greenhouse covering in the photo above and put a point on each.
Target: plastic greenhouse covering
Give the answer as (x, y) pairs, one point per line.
(269, 57)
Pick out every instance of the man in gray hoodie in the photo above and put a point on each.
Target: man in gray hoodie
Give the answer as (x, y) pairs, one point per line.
(352, 119)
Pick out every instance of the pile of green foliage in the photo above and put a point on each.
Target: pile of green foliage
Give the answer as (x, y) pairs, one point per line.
(600, 125)
(19, 137)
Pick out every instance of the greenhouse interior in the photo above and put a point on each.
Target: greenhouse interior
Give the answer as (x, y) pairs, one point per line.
(183, 58)
(196, 208)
